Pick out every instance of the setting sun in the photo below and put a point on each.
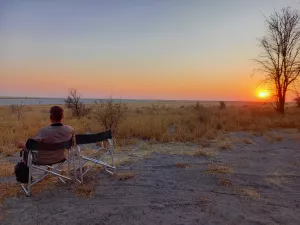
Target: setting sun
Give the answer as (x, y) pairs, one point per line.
(263, 94)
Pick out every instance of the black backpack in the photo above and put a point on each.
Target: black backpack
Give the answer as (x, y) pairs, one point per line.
(22, 172)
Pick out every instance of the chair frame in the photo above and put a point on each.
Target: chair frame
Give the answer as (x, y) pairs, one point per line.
(81, 141)
(51, 169)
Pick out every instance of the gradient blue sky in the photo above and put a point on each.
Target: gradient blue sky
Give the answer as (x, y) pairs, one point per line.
(162, 49)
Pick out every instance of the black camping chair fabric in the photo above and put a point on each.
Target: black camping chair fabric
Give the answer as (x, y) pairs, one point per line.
(101, 156)
(52, 167)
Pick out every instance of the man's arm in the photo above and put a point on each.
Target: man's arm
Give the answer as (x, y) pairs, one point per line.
(38, 137)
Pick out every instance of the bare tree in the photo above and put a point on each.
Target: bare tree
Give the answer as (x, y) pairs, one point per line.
(280, 58)
(74, 103)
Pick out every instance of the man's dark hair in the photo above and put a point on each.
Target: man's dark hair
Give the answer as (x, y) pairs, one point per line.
(56, 113)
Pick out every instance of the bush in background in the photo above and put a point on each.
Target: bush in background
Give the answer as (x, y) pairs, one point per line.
(110, 114)
(74, 103)
(297, 100)
(222, 105)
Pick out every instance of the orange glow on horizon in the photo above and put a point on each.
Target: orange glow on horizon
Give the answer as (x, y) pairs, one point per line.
(101, 82)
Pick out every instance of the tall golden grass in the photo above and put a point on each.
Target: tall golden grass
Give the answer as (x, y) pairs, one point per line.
(159, 122)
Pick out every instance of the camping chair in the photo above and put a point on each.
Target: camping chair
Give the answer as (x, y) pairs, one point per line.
(100, 156)
(54, 168)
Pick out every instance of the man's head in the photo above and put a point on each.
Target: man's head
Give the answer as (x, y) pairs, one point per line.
(56, 114)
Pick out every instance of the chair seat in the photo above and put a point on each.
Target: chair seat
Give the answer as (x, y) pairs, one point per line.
(49, 164)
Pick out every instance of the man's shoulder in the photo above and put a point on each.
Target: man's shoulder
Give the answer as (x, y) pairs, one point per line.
(69, 128)
(44, 128)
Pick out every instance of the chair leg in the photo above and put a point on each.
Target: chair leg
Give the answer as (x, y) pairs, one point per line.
(30, 174)
(69, 162)
(62, 180)
(80, 167)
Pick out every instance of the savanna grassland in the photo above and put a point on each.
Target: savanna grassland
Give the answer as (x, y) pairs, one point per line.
(244, 151)
(155, 122)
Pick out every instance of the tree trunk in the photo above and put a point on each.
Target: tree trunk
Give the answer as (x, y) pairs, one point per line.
(281, 104)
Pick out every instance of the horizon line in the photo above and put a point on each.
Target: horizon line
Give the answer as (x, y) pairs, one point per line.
(132, 99)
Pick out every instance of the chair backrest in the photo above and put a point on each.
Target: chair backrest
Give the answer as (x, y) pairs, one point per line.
(45, 153)
(32, 144)
(92, 138)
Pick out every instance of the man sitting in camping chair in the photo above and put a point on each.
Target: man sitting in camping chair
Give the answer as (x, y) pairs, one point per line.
(55, 133)
(46, 149)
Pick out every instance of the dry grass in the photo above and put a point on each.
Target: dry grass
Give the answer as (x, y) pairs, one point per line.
(277, 178)
(249, 192)
(161, 122)
(6, 169)
(13, 189)
(87, 189)
(125, 175)
(9, 190)
(272, 138)
(247, 141)
(48, 183)
(203, 200)
(182, 165)
(205, 153)
(219, 168)
(225, 182)
(225, 144)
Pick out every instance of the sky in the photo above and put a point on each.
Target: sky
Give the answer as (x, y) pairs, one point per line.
(140, 49)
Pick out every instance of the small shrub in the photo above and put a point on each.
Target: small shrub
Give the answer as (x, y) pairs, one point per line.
(203, 114)
(197, 106)
(110, 115)
(18, 109)
(13, 108)
(297, 100)
(222, 105)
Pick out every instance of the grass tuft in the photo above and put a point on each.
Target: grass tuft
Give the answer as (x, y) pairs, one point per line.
(125, 175)
(205, 153)
(272, 138)
(218, 168)
(225, 144)
(9, 190)
(6, 169)
(225, 182)
(250, 192)
(182, 165)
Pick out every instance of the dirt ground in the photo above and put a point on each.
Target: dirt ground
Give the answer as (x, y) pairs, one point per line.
(255, 182)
